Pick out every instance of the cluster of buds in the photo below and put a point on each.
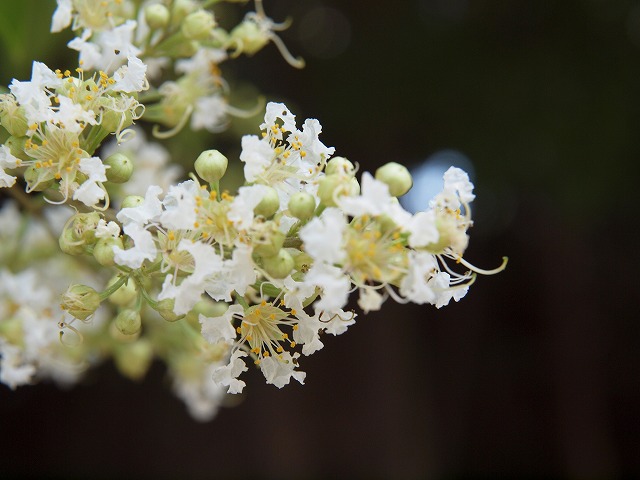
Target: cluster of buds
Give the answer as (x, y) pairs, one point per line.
(204, 278)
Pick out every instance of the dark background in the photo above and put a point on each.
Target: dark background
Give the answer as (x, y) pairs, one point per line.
(534, 373)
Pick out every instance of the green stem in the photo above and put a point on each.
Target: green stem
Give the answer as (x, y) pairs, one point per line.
(113, 288)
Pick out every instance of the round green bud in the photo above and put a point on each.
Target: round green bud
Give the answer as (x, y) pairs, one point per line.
(165, 309)
(132, 201)
(336, 185)
(80, 301)
(14, 121)
(208, 308)
(133, 359)
(303, 260)
(16, 146)
(157, 16)
(120, 168)
(340, 166)
(125, 295)
(250, 36)
(69, 244)
(103, 250)
(38, 180)
(211, 165)
(397, 178)
(112, 120)
(269, 204)
(302, 205)
(128, 322)
(180, 9)
(198, 25)
(280, 265)
(267, 242)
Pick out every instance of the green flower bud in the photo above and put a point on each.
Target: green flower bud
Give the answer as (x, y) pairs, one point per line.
(103, 250)
(397, 178)
(157, 16)
(269, 204)
(303, 260)
(16, 146)
(302, 205)
(11, 330)
(80, 301)
(38, 179)
(120, 168)
(340, 166)
(165, 309)
(198, 25)
(280, 265)
(131, 201)
(125, 295)
(133, 359)
(128, 322)
(69, 244)
(180, 9)
(249, 36)
(267, 241)
(332, 186)
(79, 232)
(14, 120)
(113, 120)
(211, 165)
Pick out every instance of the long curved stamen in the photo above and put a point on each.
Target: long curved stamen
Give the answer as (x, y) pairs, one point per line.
(175, 130)
(483, 271)
(295, 62)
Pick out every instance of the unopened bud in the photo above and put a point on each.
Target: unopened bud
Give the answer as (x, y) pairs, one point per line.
(268, 241)
(165, 309)
(120, 168)
(198, 25)
(397, 178)
(302, 205)
(125, 295)
(133, 359)
(80, 301)
(128, 322)
(157, 16)
(250, 36)
(103, 250)
(336, 185)
(211, 165)
(269, 204)
(132, 201)
(340, 166)
(280, 265)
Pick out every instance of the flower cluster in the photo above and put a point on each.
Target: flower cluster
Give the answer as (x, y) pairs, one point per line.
(206, 279)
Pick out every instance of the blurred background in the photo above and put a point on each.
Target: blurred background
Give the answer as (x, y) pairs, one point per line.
(534, 373)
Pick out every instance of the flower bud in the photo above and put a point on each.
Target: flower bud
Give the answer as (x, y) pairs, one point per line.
(120, 168)
(157, 16)
(14, 120)
(302, 205)
(113, 120)
(340, 166)
(211, 165)
(198, 25)
(38, 179)
(103, 250)
(79, 232)
(268, 240)
(208, 308)
(250, 36)
(80, 301)
(165, 309)
(128, 322)
(125, 295)
(332, 186)
(131, 201)
(269, 204)
(280, 265)
(133, 359)
(180, 9)
(397, 178)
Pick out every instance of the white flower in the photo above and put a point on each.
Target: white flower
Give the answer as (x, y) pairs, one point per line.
(415, 285)
(334, 283)
(107, 230)
(241, 210)
(423, 229)
(107, 49)
(71, 116)
(7, 160)
(211, 113)
(457, 180)
(131, 77)
(14, 371)
(180, 206)
(227, 376)
(187, 294)
(374, 199)
(220, 329)
(275, 111)
(278, 372)
(90, 192)
(336, 322)
(62, 16)
(370, 300)
(322, 236)
(144, 247)
(148, 210)
(257, 155)
(308, 332)
(202, 396)
(33, 95)
(296, 293)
